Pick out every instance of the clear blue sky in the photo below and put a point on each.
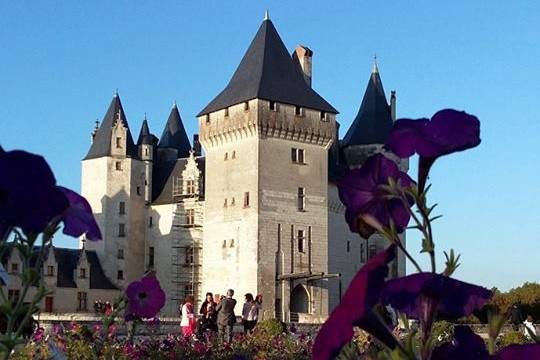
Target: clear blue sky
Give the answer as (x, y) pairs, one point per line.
(61, 61)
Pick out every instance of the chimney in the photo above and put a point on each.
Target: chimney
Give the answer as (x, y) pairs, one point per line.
(94, 131)
(302, 57)
(196, 145)
(393, 105)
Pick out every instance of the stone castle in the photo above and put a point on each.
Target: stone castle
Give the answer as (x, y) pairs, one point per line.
(259, 212)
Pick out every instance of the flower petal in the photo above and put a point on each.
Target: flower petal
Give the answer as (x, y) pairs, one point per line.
(466, 345)
(78, 218)
(355, 309)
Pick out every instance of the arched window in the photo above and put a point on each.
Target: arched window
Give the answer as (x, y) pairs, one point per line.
(299, 300)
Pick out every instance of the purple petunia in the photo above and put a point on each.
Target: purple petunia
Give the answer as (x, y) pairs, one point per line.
(78, 218)
(356, 309)
(367, 206)
(467, 345)
(145, 297)
(30, 198)
(447, 132)
(452, 298)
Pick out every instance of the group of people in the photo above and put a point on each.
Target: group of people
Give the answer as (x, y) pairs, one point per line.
(101, 307)
(217, 315)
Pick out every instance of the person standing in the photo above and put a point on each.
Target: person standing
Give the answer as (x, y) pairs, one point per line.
(226, 317)
(208, 316)
(516, 317)
(250, 314)
(529, 327)
(188, 323)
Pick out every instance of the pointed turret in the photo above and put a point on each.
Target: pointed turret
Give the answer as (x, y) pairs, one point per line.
(174, 135)
(103, 139)
(373, 121)
(145, 137)
(268, 72)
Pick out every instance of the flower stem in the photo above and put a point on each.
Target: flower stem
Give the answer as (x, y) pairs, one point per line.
(407, 254)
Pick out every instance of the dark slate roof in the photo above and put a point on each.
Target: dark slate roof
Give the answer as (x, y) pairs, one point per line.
(98, 280)
(174, 135)
(101, 146)
(166, 176)
(145, 137)
(373, 121)
(268, 72)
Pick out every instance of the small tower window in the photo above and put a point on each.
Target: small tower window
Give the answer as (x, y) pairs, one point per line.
(120, 254)
(14, 268)
(207, 118)
(301, 237)
(273, 106)
(189, 255)
(122, 208)
(226, 112)
(82, 273)
(348, 246)
(226, 156)
(150, 221)
(120, 275)
(82, 301)
(301, 199)
(118, 165)
(121, 230)
(190, 187)
(146, 151)
(118, 143)
(246, 105)
(324, 116)
(138, 190)
(232, 201)
(299, 111)
(50, 270)
(151, 257)
(232, 243)
(246, 199)
(225, 202)
(233, 156)
(190, 216)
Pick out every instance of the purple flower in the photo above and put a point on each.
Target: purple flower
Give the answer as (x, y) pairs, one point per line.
(367, 206)
(356, 309)
(78, 218)
(145, 297)
(447, 132)
(467, 345)
(452, 298)
(29, 198)
(529, 351)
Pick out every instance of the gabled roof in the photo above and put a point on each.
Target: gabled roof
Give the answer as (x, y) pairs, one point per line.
(145, 137)
(101, 146)
(267, 71)
(174, 135)
(373, 121)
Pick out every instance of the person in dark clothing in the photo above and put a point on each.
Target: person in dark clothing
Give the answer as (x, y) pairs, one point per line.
(208, 320)
(226, 317)
(516, 317)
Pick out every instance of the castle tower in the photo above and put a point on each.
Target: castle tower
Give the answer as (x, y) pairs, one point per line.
(266, 138)
(113, 182)
(145, 144)
(366, 136)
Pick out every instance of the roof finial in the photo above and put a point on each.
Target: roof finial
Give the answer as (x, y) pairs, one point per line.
(174, 104)
(145, 116)
(266, 16)
(116, 92)
(375, 68)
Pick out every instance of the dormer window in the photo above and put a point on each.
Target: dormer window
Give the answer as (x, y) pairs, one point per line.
(118, 165)
(14, 268)
(190, 187)
(50, 270)
(324, 116)
(273, 106)
(246, 105)
(82, 273)
(226, 112)
(299, 111)
(118, 142)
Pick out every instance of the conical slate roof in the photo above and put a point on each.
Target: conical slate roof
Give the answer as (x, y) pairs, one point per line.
(145, 137)
(101, 146)
(268, 72)
(373, 121)
(174, 135)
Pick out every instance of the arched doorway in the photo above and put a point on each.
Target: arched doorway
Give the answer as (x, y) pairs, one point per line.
(299, 300)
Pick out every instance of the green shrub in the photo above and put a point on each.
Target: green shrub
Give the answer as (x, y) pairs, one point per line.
(271, 327)
(512, 337)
